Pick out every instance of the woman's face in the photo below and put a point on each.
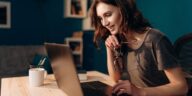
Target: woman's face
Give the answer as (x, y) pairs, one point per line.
(109, 16)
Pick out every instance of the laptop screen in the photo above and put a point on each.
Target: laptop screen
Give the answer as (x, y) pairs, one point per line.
(65, 73)
(63, 67)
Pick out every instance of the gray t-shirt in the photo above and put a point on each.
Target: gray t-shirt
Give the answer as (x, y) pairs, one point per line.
(145, 65)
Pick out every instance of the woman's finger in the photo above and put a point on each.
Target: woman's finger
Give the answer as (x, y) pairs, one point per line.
(110, 38)
(117, 87)
(107, 43)
(122, 85)
(115, 40)
(110, 42)
(122, 92)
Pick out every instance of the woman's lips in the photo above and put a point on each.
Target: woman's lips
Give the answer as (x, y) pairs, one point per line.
(111, 28)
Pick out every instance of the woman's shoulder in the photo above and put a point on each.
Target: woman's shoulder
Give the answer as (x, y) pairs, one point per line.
(157, 37)
(154, 35)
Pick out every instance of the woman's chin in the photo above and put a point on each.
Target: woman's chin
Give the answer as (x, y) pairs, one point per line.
(114, 32)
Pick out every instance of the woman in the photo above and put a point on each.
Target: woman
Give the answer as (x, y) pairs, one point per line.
(139, 58)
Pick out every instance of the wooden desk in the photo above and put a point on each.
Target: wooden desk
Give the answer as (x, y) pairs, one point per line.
(19, 86)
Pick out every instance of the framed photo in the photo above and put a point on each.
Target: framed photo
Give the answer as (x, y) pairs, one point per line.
(5, 14)
(75, 8)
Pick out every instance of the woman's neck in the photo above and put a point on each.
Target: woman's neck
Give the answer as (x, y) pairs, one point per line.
(137, 38)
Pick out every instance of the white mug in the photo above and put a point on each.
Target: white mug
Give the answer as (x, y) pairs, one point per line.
(37, 76)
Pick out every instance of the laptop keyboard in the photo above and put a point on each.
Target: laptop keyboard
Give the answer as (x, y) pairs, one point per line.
(94, 85)
(97, 88)
(94, 88)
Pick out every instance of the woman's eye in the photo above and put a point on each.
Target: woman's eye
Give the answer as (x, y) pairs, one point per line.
(108, 14)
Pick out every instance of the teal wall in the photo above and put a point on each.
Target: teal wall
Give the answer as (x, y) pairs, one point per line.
(173, 17)
(38, 21)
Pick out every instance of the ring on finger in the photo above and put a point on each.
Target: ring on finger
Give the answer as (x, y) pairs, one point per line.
(123, 91)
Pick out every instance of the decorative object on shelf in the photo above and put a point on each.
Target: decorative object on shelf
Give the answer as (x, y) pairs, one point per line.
(5, 14)
(38, 61)
(75, 8)
(41, 62)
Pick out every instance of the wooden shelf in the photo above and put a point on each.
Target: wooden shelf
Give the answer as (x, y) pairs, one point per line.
(76, 45)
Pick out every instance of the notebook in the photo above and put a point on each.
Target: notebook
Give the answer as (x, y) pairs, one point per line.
(65, 73)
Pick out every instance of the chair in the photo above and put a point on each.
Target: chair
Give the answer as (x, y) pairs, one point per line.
(183, 49)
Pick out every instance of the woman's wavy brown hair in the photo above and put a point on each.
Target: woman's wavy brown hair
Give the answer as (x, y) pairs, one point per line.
(132, 19)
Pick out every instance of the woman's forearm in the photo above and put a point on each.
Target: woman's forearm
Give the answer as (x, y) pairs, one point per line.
(115, 75)
(176, 87)
(165, 90)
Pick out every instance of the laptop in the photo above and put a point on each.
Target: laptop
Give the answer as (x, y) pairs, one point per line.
(65, 73)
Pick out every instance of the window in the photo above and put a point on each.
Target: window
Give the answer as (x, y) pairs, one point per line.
(5, 14)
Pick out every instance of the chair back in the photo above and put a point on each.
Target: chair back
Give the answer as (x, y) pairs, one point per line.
(183, 49)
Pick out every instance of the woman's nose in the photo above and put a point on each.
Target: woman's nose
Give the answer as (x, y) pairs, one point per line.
(105, 22)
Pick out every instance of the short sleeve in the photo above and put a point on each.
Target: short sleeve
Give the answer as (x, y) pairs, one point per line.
(165, 54)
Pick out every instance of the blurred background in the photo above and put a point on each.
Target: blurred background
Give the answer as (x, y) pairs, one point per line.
(33, 22)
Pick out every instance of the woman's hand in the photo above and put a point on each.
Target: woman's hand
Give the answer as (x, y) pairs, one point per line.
(112, 42)
(122, 87)
(125, 87)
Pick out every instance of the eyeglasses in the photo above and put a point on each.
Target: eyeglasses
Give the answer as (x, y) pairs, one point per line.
(118, 64)
(118, 60)
(118, 57)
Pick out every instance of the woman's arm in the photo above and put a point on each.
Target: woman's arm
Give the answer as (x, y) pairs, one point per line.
(114, 74)
(165, 57)
(111, 42)
(176, 87)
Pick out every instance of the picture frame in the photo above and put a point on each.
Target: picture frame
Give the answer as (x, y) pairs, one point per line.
(5, 14)
(75, 8)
